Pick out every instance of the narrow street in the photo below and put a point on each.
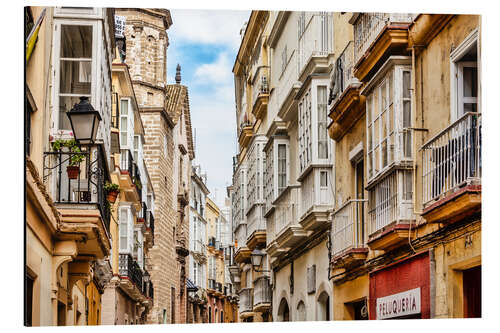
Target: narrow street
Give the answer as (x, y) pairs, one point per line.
(292, 166)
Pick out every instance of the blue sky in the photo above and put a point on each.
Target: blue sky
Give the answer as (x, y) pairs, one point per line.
(205, 44)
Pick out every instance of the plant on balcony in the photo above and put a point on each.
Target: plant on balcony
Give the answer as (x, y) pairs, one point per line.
(75, 159)
(112, 191)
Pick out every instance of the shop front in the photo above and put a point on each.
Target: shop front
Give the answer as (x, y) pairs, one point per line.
(401, 290)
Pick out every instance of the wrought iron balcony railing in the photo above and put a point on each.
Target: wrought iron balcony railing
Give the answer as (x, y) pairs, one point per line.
(348, 231)
(129, 268)
(453, 157)
(368, 26)
(391, 200)
(260, 84)
(262, 291)
(88, 187)
(343, 73)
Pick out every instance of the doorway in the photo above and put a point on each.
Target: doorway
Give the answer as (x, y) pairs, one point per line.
(472, 292)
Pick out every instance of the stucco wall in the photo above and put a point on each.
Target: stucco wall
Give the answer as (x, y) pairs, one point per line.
(316, 256)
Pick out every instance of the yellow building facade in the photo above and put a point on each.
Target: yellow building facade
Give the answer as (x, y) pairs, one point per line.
(67, 230)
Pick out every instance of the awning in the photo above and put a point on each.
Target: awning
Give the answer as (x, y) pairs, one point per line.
(191, 286)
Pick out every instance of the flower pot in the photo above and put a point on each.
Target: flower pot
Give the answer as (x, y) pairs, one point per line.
(112, 196)
(73, 171)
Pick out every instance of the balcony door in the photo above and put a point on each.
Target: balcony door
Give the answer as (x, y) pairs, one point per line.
(360, 195)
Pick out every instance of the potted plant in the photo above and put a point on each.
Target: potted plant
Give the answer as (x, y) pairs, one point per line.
(112, 191)
(75, 159)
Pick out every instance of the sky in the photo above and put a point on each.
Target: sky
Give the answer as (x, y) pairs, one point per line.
(205, 43)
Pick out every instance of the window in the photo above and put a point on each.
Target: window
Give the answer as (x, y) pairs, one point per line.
(305, 140)
(282, 183)
(124, 228)
(388, 120)
(172, 305)
(136, 148)
(75, 69)
(323, 179)
(465, 80)
(301, 311)
(322, 130)
(123, 122)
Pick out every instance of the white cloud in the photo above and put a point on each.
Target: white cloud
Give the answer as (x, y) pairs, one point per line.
(218, 72)
(208, 26)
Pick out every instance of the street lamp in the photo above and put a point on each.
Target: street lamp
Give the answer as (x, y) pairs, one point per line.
(146, 277)
(84, 121)
(256, 258)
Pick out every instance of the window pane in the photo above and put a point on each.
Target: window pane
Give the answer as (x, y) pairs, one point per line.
(384, 153)
(406, 84)
(76, 41)
(75, 77)
(470, 107)
(323, 179)
(66, 103)
(124, 107)
(406, 114)
(470, 82)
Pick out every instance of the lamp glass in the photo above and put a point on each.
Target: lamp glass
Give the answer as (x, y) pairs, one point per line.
(256, 258)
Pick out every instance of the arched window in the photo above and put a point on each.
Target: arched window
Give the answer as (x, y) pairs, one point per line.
(301, 311)
(209, 314)
(283, 311)
(323, 306)
(215, 317)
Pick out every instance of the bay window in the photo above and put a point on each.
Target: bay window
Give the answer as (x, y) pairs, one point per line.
(388, 120)
(74, 69)
(314, 147)
(277, 168)
(256, 164)
(126, 229)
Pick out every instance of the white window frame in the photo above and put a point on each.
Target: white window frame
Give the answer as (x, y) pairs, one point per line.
(455, 57)
(128, 223)
(381, 81)
(56, 64)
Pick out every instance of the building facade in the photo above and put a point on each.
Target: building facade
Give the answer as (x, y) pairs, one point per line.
(168, 151)
(389, 210)
(282, 185)
(128, 297)
(67, 218)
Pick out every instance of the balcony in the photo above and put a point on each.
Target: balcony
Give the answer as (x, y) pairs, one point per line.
(81, 202)
(377, 35)
(242, 253)
(262, 294)
(452, 171)
(129, 178)
(347, 105)
(246, 302)
(287, 88)
(315, 201)
(256, 227)
(315, 43)
(348, 234)
(260, 92)
(131, 277)
(390, 210)
(142, 213)
(212, 285)
(245, 134)
(285, 232)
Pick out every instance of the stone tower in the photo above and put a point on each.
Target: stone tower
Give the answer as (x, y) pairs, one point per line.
(146, 43)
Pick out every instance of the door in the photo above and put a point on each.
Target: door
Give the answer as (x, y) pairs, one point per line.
(472, 292)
